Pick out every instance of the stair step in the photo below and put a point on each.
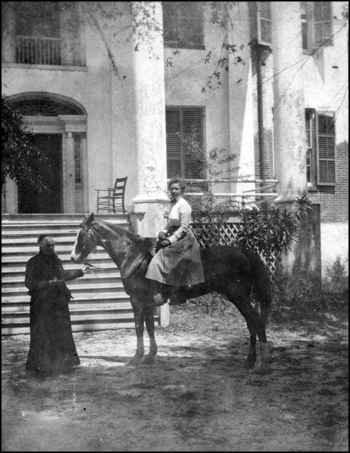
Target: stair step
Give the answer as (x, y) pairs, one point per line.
(24, 297)
(74, 311)
(101, 277)
(78, 326)
(98, 287)
(9, 308)
(13, 259)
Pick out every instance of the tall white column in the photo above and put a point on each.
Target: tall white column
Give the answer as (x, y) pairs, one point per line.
(70, 173)
(149, 119)
(241, 124)
(289, 110)
(85, 175)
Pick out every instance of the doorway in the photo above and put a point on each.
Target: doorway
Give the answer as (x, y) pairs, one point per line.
(29, 200)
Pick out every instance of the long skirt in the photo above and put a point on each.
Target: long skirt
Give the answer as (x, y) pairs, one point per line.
(178, 264)
(52, 349)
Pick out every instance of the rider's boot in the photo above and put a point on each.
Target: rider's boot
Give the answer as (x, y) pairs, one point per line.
(159, 299)
(160, 293)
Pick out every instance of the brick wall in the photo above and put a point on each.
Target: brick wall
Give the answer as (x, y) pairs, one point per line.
(334, 201)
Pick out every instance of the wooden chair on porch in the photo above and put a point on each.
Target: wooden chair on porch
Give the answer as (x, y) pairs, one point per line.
(112, 199)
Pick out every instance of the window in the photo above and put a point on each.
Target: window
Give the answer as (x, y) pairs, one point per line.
(326, 149)
(42, 33)
(77, 158)
(183, 25)
(38, 33)
(184, 140)
(264, 23)
(316, 21)
(311, 146)
(316, 24)
(320, 157)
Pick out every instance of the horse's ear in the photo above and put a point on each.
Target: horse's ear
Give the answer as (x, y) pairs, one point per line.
(87, 221)
(90, 219)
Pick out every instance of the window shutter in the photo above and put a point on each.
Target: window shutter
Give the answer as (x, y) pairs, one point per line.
(326, 149)
(264, 23)
(173, 143)
(193, 130)
(322, 21)
(184, 139)
(190, 22)
(170, 22)
(183, 24)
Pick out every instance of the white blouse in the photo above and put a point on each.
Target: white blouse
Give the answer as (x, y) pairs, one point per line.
(179, 215)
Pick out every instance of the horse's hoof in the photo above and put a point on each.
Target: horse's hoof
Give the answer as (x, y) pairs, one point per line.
(263, 370)
(134, 361)
(148, 360)
(249, 364)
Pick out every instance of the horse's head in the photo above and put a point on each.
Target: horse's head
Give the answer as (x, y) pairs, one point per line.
(86, 240)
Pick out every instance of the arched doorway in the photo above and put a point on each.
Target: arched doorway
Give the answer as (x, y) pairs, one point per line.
(59, 127)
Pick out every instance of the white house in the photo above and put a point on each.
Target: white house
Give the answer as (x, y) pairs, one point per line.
(112, 89)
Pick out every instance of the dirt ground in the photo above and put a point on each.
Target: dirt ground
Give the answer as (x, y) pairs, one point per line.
(196, 397)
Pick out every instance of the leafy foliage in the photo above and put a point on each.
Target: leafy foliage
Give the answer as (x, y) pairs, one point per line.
(21, 161)
(337, 277)
(302, 298)
(271, 231)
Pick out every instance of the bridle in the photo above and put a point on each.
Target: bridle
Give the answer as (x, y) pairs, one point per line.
(88, 236)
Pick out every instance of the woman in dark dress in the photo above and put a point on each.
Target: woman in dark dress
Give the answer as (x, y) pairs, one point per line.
(52, 349)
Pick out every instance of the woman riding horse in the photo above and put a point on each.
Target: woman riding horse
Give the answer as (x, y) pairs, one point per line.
(177, 261)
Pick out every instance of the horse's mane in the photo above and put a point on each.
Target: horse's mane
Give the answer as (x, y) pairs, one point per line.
(145, 242)
(142, 247)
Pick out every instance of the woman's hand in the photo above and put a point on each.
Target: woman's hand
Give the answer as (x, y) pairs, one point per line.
(162, 236)
(165, 243)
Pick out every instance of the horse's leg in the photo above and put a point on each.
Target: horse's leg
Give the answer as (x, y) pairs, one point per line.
(256, 326)
(149, 318)
(137, 307)
(251, 359)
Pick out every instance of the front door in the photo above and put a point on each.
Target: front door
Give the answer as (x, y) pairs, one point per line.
(32, 202)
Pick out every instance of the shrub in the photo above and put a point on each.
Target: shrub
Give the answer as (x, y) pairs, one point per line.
(302, 298)
(337, 280)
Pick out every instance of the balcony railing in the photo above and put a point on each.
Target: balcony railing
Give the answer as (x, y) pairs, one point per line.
(45, 51)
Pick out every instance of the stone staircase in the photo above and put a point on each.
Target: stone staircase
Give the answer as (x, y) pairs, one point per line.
(99, 301)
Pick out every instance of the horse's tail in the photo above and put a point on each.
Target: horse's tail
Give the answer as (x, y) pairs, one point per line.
(262, 285)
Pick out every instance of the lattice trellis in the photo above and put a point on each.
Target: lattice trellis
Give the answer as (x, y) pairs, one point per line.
(208, 234)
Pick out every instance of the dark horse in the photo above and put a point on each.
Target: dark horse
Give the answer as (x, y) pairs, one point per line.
(231, 271)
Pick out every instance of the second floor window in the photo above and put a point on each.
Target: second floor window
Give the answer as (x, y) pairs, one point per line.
(42, 33)
(316, 24)
(184, 140)
(183, 25)
(320, 160)
(316, 20)
(38, 33)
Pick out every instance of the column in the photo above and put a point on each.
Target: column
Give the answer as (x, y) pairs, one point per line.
(289, 110)
(70, 173)
(149, 120)
(85, 176)
(290, 136)
(241, 124)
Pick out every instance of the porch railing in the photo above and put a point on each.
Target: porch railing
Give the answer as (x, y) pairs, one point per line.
(263, 189)
(32, 50)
